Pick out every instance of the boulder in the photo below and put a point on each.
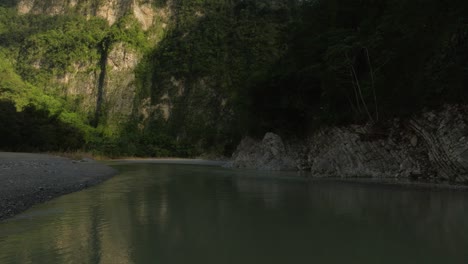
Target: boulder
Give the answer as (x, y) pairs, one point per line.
(268, 154)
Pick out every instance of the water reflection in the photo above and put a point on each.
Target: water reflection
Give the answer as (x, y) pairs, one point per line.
(191, 214)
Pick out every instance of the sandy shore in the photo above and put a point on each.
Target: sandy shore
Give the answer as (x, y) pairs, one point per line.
(28, 179)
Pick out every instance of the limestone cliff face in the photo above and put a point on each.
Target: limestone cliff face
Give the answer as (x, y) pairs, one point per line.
(103, 82)
(117, 88)
(431, 146)
(120, 82)
(111, 10)
(80, 84)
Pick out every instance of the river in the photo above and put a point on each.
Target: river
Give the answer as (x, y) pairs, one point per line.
(174, 213)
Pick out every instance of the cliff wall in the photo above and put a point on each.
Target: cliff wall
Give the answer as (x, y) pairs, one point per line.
(90, 64)
(144, 11)
(148, 72)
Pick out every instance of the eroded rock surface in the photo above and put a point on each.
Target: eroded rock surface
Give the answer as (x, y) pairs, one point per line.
(430, 146)
(268, 154)
(111, 10)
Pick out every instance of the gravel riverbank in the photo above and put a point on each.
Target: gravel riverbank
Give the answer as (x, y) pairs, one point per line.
(27, 179)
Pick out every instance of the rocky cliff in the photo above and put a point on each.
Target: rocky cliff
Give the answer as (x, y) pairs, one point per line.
(148, 72)
(98, 77)
(432, 146)
(191, 77)
(144, 11)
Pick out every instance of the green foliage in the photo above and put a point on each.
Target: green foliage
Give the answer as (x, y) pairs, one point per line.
(204, 64)
(14, 88)
(35, 49)
(290, 66)
(222, 69)
(23, 103)
(359, 61)
(35, 129)
(53, 51)
(129, 31)
(136, 143)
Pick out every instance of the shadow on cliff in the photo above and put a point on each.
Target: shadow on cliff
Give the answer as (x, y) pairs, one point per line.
(197, 78)
(35, 129)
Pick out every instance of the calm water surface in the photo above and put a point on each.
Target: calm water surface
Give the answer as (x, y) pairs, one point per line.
(169, 213)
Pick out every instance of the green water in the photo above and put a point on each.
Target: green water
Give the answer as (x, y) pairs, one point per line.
(169, 213)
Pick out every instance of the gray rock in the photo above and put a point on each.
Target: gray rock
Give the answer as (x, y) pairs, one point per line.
(269, 154)
(28, 179)
(431, 145)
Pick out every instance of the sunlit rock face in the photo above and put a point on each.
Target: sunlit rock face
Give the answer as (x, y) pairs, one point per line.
(120, 81)
(110, 10)
(81, 81)
(432, 146)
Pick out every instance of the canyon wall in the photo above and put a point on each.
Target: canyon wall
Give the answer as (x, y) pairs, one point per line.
(144, 11)
(100, 82)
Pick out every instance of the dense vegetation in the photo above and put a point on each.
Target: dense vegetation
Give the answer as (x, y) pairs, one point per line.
(35, 50)
(216, 50)
(365, 61)
(291, 66)
(34, 129)
(229, 68)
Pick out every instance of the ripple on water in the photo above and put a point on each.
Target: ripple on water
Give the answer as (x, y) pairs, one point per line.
(157, 213)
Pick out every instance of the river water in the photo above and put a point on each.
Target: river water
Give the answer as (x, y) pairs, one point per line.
(173, 213)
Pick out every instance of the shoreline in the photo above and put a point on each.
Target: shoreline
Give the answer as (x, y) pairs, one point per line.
(27, 179)
(411, 185)
(169, 161)
(307, 175)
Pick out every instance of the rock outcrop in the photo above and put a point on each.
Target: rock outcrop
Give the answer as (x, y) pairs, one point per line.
(269, 154)
(432, 146)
